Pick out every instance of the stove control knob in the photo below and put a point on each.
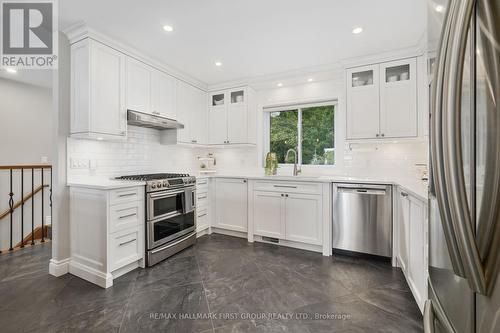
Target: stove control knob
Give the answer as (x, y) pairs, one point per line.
(158, 184)
(165, 183)
(153, 186)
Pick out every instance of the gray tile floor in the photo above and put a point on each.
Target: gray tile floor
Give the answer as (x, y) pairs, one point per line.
(227, 283)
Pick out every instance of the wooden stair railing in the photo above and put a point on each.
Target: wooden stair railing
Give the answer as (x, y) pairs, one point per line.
(23, 170)
(20, 202)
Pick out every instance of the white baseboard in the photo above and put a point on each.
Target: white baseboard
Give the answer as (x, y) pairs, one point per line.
(203, 232)
(296, 245)
(59, 267)
(229, 232)
(103, 280)
(128, 268)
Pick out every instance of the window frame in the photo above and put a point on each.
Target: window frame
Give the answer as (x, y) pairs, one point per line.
(298, 107)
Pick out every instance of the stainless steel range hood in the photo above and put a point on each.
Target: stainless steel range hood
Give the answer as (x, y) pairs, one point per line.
(141, 119)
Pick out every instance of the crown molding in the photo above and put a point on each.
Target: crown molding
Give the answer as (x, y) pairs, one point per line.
(81, 30)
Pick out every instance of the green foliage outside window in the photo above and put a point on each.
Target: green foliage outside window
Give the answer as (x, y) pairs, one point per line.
(318, 134)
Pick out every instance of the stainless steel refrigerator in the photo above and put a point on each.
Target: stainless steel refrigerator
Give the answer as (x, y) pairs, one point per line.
(464, 188)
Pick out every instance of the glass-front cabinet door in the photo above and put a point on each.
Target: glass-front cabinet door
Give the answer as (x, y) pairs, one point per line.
(398, 99)
(363, 102)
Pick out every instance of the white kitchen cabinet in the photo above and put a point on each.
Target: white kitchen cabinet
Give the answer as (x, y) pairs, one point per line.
(202, 204)
(231, 204)
(290, 211)
(97, 91)
(269, 215)
(403, 228)
(150, 90)
(303, 218)
(163, 94)
(231, 116)
(398, 99)
(107, 232)
(412, 243)
(363, 102)
(138, 86)
(192, 113)
(382, 101)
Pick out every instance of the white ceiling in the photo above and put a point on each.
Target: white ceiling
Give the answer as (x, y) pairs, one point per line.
(252, 38)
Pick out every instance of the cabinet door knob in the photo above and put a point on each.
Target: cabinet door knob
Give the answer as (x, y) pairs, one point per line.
(244, 181)
(378, 135)
(383, 134)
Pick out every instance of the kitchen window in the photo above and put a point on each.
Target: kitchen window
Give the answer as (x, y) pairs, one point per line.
(309, 129)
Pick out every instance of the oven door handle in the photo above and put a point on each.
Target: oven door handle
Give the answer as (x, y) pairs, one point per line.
(165, 195)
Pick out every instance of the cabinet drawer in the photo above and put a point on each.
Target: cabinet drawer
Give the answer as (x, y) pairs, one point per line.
(125, 248)
(201, 182)
(125, 215)
(126, 195)
(201, 219)
(201, 199)
(289, 187)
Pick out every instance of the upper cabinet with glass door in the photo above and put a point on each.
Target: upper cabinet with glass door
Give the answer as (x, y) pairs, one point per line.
(363, 102)
(231, 117)
(382, 101)
(398, 99)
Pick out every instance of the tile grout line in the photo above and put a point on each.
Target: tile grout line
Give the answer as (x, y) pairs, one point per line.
(204, 289)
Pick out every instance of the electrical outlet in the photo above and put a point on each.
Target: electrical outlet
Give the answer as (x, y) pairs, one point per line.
(78, 163)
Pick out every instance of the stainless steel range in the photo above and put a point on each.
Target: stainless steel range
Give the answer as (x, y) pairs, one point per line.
(170, 214)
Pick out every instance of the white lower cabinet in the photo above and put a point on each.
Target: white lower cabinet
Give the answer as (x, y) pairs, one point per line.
(202, 204)
(231, 204)
(269, 214)
(107, 233)
(303, 218)
(412, 250)
(280, 212)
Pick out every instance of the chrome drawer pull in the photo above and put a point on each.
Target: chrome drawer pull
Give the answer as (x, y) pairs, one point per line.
(202, 215)
(285, 186)
(126, 195)
(128, 242)
(129, 215)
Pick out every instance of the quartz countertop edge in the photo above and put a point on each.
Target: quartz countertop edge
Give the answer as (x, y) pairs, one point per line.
(104, 184)
(413, 186)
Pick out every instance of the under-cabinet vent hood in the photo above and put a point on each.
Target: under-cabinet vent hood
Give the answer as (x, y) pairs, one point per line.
(141, 119)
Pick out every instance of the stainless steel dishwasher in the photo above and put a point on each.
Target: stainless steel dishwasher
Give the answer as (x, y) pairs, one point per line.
(362, 218)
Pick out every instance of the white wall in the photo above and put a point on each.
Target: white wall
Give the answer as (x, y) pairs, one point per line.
(25, 123)
(25, 136)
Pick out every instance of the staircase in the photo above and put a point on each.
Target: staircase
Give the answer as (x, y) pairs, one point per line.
(28, 189)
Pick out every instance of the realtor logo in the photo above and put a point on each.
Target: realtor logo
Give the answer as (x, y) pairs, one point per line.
(29, 34)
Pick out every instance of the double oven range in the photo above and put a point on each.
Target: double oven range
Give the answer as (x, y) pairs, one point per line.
(170, 214)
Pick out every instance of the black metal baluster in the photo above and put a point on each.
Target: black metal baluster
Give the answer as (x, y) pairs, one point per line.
(32, 206)
(22, 207)
(11, 205)
(43, 231)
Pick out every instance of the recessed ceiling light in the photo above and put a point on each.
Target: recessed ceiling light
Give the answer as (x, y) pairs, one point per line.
(218, 63)
(280, 84)
(310, 79)
(11, 70)
(357, 30)
(168, 28)
(439, 8)
(100, 139)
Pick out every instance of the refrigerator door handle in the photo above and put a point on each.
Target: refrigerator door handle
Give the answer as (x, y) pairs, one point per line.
(436, 146)
(488, 231)
(463, 226)
(428, 317)
(434, 311)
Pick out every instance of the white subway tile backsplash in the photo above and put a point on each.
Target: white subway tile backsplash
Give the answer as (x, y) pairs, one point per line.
(142, 152)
